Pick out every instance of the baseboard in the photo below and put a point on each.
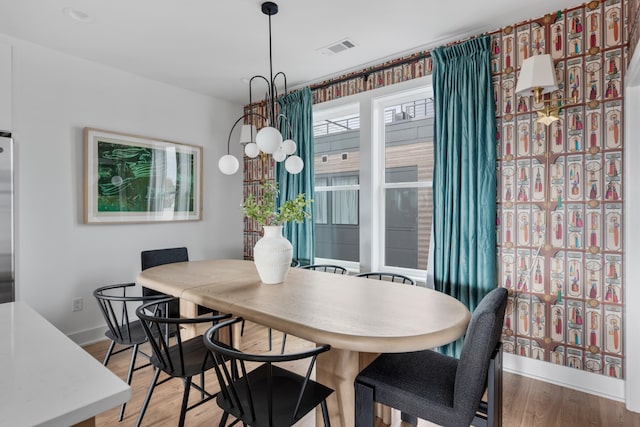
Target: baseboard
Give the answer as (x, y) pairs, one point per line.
(88, 336)
(564, 376)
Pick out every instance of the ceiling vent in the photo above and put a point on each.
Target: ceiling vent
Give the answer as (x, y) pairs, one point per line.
(338, 47)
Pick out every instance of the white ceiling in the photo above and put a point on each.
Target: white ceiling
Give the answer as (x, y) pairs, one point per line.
(209, 46)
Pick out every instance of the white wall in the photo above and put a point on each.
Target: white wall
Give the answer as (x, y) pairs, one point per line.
(632, 235)
(57, 256)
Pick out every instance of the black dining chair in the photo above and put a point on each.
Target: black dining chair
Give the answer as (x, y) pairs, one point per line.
(328, 268)
(117, 304)
(389, 277)
(267, 395)
(175, 355)
(439, 388)
(155, 257)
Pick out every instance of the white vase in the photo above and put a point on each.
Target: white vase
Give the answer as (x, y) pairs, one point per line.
(272, 255)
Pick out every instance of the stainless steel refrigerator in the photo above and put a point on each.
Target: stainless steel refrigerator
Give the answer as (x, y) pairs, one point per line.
(7, 288)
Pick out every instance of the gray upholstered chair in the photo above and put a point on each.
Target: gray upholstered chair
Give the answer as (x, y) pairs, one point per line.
(439, 388)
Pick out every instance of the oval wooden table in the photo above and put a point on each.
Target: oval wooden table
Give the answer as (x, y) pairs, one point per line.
(358, 317)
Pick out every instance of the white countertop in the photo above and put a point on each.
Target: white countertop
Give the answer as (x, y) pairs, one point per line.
(47, 379)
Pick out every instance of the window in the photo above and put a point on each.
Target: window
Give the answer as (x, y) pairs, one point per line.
(408, 172)
(373, 173)
(337, 166)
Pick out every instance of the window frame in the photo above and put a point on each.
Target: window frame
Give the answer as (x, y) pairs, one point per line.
(370, 105)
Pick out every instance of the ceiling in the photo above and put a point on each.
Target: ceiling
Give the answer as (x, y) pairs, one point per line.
(210, 46)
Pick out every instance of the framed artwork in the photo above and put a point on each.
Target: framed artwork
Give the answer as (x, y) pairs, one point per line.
(131, 178)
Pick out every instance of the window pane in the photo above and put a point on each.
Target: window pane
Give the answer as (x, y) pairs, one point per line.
(320, 207)
(345, 207)
(408, 215)
(337, 162)
(409, 139)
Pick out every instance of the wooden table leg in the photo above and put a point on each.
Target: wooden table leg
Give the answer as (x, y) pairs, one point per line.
(188, 310)
(338, 369)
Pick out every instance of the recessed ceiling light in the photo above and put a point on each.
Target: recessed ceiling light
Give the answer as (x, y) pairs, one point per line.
(78, 15)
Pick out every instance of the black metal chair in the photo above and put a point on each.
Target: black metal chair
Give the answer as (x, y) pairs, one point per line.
(156, 257)
(438, 388)
(267, 395)
(123, 329)
(389, 277)
(328, 268)
(173, 355)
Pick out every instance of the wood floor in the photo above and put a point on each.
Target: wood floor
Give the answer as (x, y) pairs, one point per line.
(527, 402)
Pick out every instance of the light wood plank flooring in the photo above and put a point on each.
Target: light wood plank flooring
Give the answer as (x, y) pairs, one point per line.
(527, 402)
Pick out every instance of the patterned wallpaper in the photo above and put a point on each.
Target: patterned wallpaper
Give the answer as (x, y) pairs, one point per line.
(560, 191)
(560, 207)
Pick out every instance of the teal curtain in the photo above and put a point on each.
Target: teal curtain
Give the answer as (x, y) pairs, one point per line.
(297, 107)
(464, 182)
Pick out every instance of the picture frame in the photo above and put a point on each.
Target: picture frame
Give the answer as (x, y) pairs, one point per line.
(132, 179)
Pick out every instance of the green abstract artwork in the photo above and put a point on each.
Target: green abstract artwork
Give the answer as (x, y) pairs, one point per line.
(142, 179)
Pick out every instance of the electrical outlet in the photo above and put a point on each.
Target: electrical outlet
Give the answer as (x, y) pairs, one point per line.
(76, 304)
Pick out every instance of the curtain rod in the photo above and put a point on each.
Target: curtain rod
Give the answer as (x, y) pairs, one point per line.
(368, 71)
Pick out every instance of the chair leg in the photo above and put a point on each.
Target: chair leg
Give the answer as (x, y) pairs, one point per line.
(364, 405)
(152, 386)
(242, 328)
(284, 341)
(202, 385)
(132, 363)
(269, 333)
(494, 390)
(409, 419)
(223, 420)
(325, 414)
(109, 351)
(185, 400)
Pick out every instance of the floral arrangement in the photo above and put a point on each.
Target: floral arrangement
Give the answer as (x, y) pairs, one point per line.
(264, 211)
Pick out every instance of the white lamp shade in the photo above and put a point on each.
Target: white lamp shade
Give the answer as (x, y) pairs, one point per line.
(294, 164)
(228, 164)
(537, 71)
(251, 150)
(289, 146)
(279, 155)
(247, 134)
(268, 139)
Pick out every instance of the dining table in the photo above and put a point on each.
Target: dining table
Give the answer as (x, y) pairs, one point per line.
(358, 317)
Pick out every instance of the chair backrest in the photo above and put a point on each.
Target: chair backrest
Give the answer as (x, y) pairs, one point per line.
(156, 257)
(117, 308)
(389, 277)
(329, 268)
(483, 334)
(166, 335)
(232, 376)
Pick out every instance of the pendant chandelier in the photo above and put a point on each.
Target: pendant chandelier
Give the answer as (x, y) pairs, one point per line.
(268, 140)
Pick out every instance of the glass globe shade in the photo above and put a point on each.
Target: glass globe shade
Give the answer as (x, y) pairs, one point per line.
(268, 139)
(289, 146)
(279, 155)
(294, 164)
(251, 150)
(228, 164)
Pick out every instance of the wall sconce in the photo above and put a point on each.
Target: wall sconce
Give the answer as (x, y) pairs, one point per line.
(538, 77)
